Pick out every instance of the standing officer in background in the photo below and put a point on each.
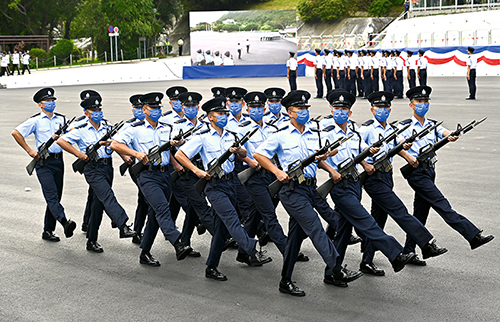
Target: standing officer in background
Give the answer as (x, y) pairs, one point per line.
(411, 66)
(471, 74)
(291, 71)
(16, 59)
(422, 179)
(98, 174)
(319, 63)
(49, 171)
(379, 187)
(327, 69)
(422, 68)
(154, 181)
(180, 43)
(383, 67)
(335, 68)
(352, 67)
(220, 191)
(359, 72)
(375, 70)
(398, 76)
(366, 72)
(26, 62)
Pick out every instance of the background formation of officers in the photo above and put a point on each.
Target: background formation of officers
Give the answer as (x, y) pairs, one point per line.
(217, 59)
(228, 170)
(18, 60)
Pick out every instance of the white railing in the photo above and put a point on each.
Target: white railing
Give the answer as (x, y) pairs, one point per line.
(424, 5)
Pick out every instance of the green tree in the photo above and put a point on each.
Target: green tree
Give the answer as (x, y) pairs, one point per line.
(62, 50)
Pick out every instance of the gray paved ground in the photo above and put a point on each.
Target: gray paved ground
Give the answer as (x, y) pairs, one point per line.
(42, 281)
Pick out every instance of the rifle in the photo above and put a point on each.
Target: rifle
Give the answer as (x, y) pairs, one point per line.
(215, 166)
(382, 161)
(347, 168)
(427, 156)
(43, 151)
(296, 168)
(154, 154)
(79, 164)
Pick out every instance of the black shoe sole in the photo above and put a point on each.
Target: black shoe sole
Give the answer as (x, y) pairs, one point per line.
(487, 240)
(249, 263)
(440, 252)
(148, 263)
(370, 272)
(194, 255)
(52, 239)
(216, 278)
(95, 250)
(71, 228)
(285, 291)
(403, 264)
(183, 254)
(335, 283)
(302, 258)
(136, 241)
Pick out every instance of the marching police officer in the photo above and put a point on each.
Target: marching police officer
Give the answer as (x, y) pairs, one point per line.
(379, 186)
(154, 181)
(49, 171)
(220, 190)
(471, 73)
(346, 192)
(274, 96)
(98, 173)
(422, 179)
(177, 113)
(295, 141)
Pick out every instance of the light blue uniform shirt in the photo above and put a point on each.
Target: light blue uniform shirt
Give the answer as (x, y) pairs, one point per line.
(370, 134)
(141, 136)
(271, 117)
(257, 138)
(86, 135)
(211, 145)
(170, 118)
(414, 151)
(326, 122)
(186, 126)
(290, 145)
(79, 121)
(349, 149)
(233, 124)
(43, 127)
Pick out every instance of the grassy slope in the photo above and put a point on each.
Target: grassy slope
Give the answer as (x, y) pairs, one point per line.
(275, 5)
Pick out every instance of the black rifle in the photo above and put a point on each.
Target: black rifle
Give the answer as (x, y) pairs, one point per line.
(381, 160)
(79, 164)
(43, 151)
(215, 166)
(296, 169)
(347, 168)
(154, 154)
(427, 156)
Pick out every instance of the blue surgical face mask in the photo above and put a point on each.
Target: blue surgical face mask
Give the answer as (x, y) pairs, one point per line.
(340, 116)
(256, 113)
(49, 106)
(382, 114)
(155, 114)
(275, 108)
(139, 113)
(302, 116)
(221, 121)
(190, 112)
(177, 106)
(234, 107)
(96, 116)
(421, 109)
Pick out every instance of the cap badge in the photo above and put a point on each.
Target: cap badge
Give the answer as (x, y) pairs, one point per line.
(87, 95)
(234, 93)
(96, 102)
(157, 99)
(190, 98)
(218, 92)
(341, 97)
(176, 92)
(274, 93)
(256, 98)
(303, 98)
(49, 92)
(383, 98)
(222, 104)
(424, 92)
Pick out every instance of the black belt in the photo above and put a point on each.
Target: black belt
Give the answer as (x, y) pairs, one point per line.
(104, 161)
(56, 155)
(309, 181)
(198, 164)
(226, 176)
(160, 168)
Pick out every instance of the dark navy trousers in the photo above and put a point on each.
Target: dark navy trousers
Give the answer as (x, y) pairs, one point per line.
(319, 82)
(398, 84)
(334, 78)
(389, 83)
(292, 80)
(427, 195)
(141, 211)
(300, 204)
(412, 80)
(88, 206)
(367, 83)
(51, 178)
(386, 202)
(342, 80)
(375, 80)
(222, 197)
(359, 81)
(472, 83)
(100, 177)
(257, 187)
(423, 77)
(351, 213)
(351, 83)
(328, 80)
(244, 206)
(156, 187)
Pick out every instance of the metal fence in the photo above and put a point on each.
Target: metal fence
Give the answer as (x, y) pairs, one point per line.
(423, 5)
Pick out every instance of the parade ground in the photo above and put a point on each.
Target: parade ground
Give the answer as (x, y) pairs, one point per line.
(44, 281)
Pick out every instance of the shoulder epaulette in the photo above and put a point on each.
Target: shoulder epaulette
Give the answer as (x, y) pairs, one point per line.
(166, 113)
(283, 128)
(369, 122)
(433, 121)
(233, 133)
(131, 120)
(180, 121)
(353, 122)
(245, 114)
(81, 125)
(80, 118)
(286, 114)
(245, 124)
(59, 114)
(328, 117)
(329, 128)
(138, 123)
(404, 122)
(166, 124)
(314, 129)
(267, 113)
(106, 122)
(204, 131)
(35, 115)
